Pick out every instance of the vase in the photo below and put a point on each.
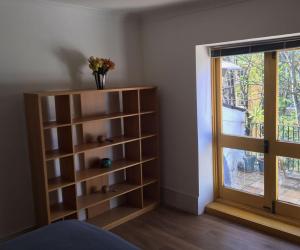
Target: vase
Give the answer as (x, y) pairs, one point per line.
(106, 163)
(100, 80)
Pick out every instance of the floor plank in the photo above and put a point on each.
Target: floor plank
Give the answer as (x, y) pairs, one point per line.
(167, 228)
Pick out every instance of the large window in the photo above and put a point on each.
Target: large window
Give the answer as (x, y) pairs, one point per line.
(258, 129)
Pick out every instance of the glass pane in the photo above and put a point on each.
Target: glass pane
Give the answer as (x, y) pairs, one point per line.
(289, 180)
(243, 170)
(243, 95)
(289, 96)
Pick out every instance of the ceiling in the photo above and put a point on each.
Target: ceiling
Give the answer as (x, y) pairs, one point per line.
(125, 4)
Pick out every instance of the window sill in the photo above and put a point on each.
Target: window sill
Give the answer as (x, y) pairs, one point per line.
(272, 224)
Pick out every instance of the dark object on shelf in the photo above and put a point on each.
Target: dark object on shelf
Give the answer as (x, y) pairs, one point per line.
(105, 189)
(94, 163)
(89, 138)
(109, 140)
(101, 138)
(247, 165)
(100, 80)
(93, 189)
(106, 163)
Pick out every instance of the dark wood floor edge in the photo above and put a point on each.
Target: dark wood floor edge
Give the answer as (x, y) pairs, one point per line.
(253, 225)
(16, 234)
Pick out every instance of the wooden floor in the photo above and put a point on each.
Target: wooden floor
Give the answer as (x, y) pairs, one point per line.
(167, 228)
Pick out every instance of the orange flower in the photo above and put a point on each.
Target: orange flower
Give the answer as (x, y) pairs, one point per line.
(100, 65)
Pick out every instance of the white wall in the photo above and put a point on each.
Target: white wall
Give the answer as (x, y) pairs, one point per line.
(45, 46)
(169, 42)
(204, 130)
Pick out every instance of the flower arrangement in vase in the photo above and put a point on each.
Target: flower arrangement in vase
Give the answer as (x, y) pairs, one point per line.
(100, 67)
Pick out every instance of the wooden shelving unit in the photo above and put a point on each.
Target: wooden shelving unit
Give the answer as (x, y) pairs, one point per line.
(65, 155)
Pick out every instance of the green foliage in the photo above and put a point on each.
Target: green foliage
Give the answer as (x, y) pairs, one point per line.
(257, 114)
(289, 86)
(249, 87)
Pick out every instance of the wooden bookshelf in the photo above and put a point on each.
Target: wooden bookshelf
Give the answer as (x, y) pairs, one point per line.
(65, 154)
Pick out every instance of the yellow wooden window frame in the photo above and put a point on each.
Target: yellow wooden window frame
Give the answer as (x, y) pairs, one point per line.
(276, 148)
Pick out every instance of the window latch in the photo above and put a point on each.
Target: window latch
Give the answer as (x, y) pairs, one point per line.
(266, 146)
(273, 210)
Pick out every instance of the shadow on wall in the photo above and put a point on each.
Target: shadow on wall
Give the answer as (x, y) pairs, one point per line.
(132, 47)
(74, 61)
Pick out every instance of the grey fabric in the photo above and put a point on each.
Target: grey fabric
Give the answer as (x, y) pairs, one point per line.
(67, 235)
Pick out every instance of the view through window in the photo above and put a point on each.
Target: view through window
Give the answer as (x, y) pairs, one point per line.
(242, 98)
(243, 115)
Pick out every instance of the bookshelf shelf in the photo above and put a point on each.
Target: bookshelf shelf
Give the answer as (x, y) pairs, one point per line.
(148, 112)
(121, 214)
(56, 153)
(111, 142)
(54, 124)
(68, 179)
(147, 135)
(146, 159)
(148, 181)
(59, 211)
(91, 173)
(81, 120)
(116, 190)
(58, 182)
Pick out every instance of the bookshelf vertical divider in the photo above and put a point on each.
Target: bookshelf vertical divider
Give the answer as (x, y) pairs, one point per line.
(69, 132)
(140, 146)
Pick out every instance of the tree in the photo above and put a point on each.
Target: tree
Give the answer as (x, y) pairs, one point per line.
(289, 87)
(249, 87)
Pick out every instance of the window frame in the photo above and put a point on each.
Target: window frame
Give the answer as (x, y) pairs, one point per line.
(269, 201)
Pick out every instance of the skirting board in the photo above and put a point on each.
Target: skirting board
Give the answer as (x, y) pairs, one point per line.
(172, 198)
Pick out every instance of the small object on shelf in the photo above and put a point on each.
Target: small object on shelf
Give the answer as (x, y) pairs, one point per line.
(101, 138)
(109, 140)
(93, 189)
(106, 163)
(100, 67)
(105, 189)
(89, 138)
(94, 163)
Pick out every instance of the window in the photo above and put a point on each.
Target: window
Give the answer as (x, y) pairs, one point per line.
(258, 126)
